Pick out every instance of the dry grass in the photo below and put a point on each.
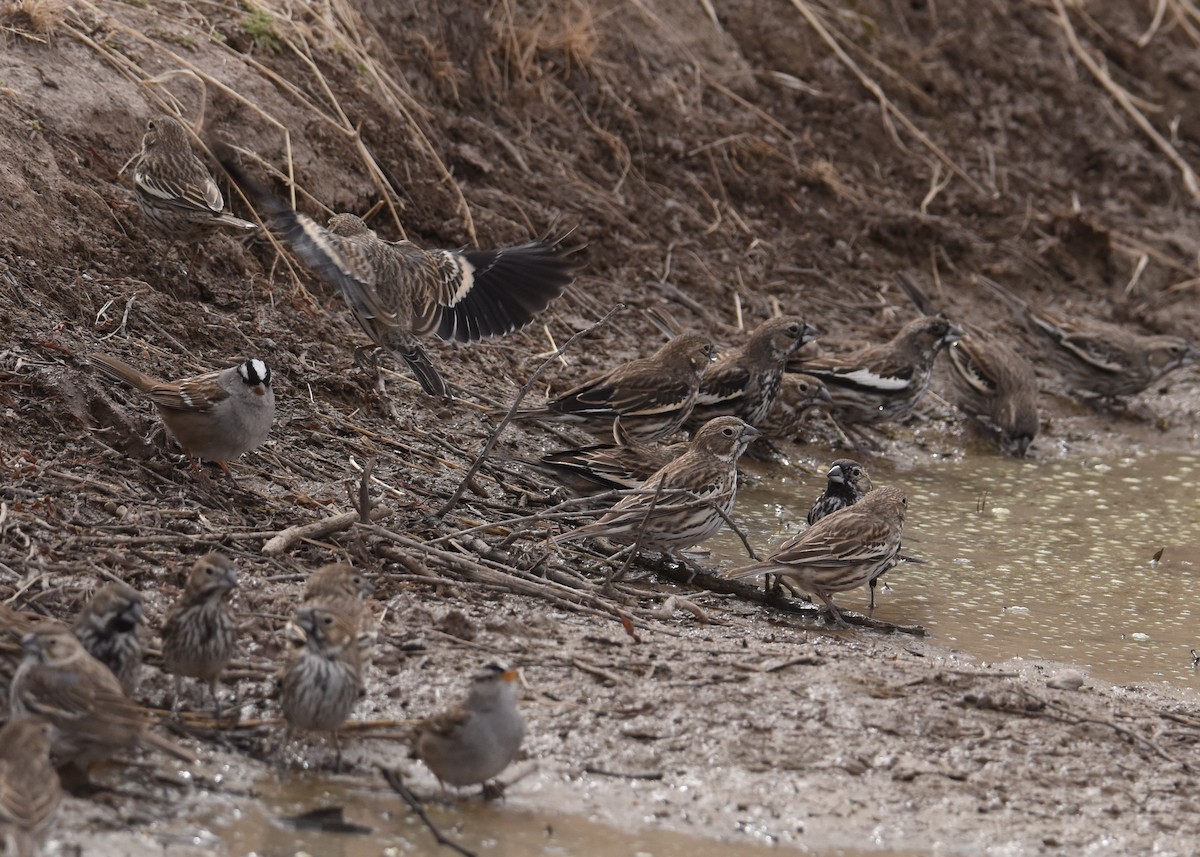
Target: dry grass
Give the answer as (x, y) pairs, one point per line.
(41, 17)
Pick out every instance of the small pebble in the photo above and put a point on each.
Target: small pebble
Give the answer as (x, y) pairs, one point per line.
(1066, 680)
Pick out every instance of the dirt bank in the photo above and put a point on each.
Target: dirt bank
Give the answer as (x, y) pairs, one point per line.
(713, 164)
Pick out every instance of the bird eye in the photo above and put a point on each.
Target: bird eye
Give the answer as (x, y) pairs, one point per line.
(728, 432)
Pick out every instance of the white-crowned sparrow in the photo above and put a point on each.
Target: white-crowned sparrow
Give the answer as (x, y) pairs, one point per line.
(476, 740)
(216, 416)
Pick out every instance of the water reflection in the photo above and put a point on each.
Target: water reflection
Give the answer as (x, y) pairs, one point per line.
(1038, 559)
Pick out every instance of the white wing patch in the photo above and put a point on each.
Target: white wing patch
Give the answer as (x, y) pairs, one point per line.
(867, 378)
(466, 273)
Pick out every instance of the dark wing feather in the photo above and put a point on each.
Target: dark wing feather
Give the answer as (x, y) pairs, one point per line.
(486, 293)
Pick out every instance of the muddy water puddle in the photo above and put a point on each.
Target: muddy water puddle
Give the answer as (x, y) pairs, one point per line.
(1032, 559)
(497, 829)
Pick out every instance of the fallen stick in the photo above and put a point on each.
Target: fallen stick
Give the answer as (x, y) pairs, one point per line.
(512, 411)
(284, 539)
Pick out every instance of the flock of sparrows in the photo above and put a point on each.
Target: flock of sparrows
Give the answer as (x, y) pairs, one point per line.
(69, 690)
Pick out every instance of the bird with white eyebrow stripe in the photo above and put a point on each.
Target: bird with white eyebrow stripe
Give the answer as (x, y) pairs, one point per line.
(399, 292)
(881, 382)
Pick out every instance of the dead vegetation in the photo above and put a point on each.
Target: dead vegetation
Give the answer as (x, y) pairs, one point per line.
(729, 159)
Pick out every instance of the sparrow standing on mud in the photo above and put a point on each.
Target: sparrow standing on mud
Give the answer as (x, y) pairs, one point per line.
(108, 628)
(607, 466)
(476, 740)
(993, 384)
(30, 791)
(997, 387)
(685, 502)
(216, 416)
(322, 678)
(400, 293)
(92, 718)
(744, 382)
(653, 396)
(1103, 359)
(342, 588)
(175, 190)
(14, 625)
(798, 394)
(841, 551)
(199, 635)
(846, 483)
(881, 382)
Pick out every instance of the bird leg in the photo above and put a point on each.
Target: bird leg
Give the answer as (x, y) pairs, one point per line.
(838, 621)
(178, 682)
(216, 699)
(693, 567)
(493, 790)
(228, 473)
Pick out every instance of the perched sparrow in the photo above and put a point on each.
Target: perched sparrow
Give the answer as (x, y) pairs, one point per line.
(342, 588)
(882, 382)
(29, 786)
(997, 387)
(685, 502)
(199, 635)
(798, 394)
(174, 189)
(108, 628)
(1103, 359)
(1107, 360)
(477, 739)
(744, 382)
(847, 483)
(841, 551)
(14, 625)
(652, 395)
(606, 467)
(399, 292)
(993, 384)
(92, 717)
(216, 416)
(322, 679)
